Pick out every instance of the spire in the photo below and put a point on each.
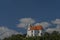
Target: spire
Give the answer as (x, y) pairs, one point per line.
(28, 26)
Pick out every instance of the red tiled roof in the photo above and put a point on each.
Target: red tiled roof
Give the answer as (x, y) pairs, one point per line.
(38, 27)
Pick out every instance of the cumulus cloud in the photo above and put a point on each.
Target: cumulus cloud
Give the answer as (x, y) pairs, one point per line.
(25, 21)
(50, 30)
(57, 21)
(6, 32)
(57, 28)
(22, 25)
(44, 24)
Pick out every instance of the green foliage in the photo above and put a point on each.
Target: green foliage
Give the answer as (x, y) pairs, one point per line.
(47, 36)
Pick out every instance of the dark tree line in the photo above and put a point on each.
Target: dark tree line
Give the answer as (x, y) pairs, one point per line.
(47, 36)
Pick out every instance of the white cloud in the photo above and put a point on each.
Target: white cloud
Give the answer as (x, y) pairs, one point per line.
(6, 32)
(44, 24)
(25, 21)
(50, 30)
(57, 21)
(57, 28)
(21, 25)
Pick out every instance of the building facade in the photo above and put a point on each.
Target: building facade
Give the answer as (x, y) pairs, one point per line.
(34, 30)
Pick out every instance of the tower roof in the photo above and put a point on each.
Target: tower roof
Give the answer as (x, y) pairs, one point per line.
(38, 27)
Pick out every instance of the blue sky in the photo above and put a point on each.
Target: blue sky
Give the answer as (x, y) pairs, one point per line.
(40, 10)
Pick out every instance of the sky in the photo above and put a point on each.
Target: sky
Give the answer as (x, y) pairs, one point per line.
(37, 11)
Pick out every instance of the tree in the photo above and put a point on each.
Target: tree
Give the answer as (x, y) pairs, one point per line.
(47, 36)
